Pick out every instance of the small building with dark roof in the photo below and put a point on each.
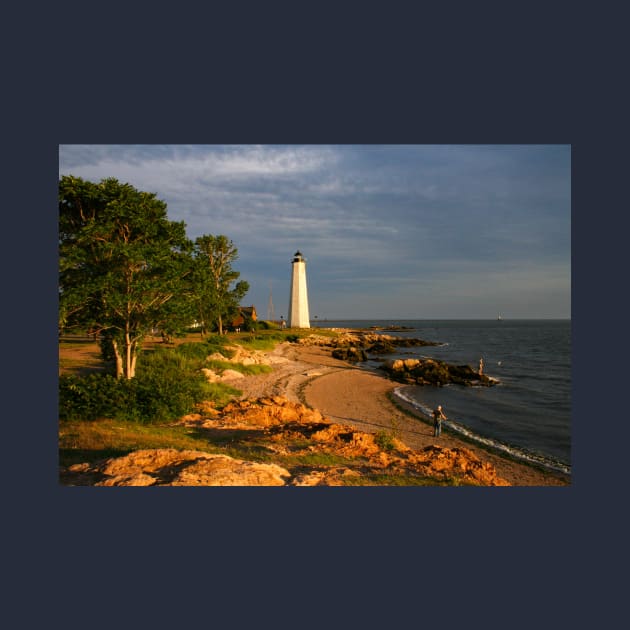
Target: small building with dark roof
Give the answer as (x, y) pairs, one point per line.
(245, 313)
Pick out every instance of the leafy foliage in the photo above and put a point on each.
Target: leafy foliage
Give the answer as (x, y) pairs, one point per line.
(168, 387)
(384, 440)
(213, 276)
(249, 370)
(121, 265)
(92, 397)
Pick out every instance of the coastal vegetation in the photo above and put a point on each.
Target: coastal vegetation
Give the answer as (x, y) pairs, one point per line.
(127, 271)
(127, 274)
(168, 413)
(170, 385)
(214, 294)
(269, 441)
(266, 441)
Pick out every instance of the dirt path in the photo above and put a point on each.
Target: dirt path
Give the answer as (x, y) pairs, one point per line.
(293, 367)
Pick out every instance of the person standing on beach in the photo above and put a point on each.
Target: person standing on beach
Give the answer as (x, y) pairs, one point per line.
(438, 416)
(480, 366)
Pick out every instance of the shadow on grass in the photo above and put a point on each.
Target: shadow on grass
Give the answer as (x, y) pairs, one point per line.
(70, 456)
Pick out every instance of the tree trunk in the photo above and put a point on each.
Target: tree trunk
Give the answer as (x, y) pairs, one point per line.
(220, 325)
(119, 360)
(128, 355)
(134, 356)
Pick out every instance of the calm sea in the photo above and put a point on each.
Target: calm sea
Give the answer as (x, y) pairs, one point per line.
(527, 415)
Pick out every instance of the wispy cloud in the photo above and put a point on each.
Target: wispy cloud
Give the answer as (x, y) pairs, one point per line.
(417, 230)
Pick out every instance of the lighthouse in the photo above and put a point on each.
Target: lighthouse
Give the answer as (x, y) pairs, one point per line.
(298, 299)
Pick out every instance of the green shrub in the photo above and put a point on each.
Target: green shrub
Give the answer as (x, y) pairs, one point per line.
(250, 325)
(194, 350)
(106, 347)
(262, 342)
(384, 440)
(221, 394)
(255, 368)
(167, 385)
(93, 396)
(160, 397)
(216, 343)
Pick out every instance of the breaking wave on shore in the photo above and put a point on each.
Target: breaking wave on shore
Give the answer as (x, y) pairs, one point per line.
(520, 454)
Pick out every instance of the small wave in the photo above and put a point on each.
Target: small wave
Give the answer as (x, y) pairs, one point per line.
(513, 451)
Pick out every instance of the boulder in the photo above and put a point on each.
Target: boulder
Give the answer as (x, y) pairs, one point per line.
(382, 347)
(351, 353)
(211, 375)
(170, 467)
(393, 365)
(433, 372)
(228, 375)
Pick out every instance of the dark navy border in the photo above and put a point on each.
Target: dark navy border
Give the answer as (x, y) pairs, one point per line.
(309, 557)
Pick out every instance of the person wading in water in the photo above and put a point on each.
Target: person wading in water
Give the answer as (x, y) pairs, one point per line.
(438, 416)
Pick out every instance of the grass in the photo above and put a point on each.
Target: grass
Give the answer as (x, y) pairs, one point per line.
(326, 460)
(265, 340)
(249, 370)
(82, 355)
(380, 479)
(384, 440)
(89, 441)
(221, 394)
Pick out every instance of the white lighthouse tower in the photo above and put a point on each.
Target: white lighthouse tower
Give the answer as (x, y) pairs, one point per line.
(298, 300)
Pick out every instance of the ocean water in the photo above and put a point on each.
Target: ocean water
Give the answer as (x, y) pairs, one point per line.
(527, 415)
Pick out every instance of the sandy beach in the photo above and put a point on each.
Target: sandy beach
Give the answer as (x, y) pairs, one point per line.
(353, 396)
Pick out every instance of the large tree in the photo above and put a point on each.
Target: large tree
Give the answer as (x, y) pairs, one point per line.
(216, 295)
(122, 264)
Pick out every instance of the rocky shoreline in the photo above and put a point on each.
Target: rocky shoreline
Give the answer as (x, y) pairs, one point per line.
(314, 405)
(359, 346)
(346, 393)
(434, 372)
(295, 434)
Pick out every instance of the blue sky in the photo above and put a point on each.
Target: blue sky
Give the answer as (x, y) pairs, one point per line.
(389, 231)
